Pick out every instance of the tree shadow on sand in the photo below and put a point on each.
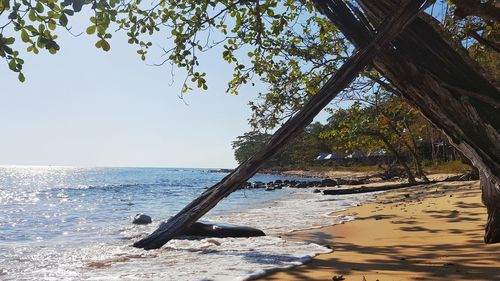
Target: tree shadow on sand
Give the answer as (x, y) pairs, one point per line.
(425, 259)
(439, 259)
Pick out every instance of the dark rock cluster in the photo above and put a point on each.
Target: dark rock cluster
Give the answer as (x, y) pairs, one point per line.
(279, 184)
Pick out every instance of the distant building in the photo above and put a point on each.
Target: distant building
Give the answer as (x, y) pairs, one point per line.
(356, 156)
(379, 153)
(328, 156)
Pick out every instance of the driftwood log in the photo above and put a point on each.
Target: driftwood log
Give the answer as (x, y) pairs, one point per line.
(367, 189)
(438, 77)
(342, 78)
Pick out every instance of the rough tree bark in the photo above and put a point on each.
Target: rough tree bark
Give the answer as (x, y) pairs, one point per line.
(344, 76)
(437, 76)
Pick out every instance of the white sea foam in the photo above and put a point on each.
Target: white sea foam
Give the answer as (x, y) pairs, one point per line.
(206, 259)
(300, 210)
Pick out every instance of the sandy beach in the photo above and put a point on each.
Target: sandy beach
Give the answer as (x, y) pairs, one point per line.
(431, 233)
(330, 173)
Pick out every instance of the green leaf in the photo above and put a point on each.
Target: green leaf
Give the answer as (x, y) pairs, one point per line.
(9, 40)
(4, 5)
(66, 3)
(12, 65)
(52, 25)
(63, 20)
(68, 12)
(21, 77)
(77, 5)
(24, 36)
(39, 7)
(91, 29)
(105, 45)
(32, 15)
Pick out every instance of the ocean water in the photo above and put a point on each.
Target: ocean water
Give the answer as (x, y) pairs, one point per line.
(63, 223)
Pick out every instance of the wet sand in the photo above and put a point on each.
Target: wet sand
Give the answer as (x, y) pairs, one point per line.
(431, 233)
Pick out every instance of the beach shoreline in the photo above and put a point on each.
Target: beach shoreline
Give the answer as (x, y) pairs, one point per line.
(84, 225)
(298, 222)
(426, 233)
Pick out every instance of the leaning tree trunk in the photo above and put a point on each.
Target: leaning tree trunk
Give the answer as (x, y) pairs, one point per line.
(342, 78)
(438, 77)
(491, 199)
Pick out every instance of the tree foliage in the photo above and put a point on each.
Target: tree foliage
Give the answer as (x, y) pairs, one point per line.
(380, 129)
(473, 24)
(299, 153)
(286, 44)
(379, 122)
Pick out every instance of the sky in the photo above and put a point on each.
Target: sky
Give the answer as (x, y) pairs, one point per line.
(86, 107)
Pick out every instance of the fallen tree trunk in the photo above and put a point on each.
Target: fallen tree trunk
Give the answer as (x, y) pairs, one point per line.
(342, 78)
(469, 176)
(367, 189)
(438, 77)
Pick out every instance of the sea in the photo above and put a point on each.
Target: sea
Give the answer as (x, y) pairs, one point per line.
(68, 223)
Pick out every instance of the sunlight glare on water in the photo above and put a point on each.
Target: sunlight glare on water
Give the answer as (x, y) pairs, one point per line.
(65, 223)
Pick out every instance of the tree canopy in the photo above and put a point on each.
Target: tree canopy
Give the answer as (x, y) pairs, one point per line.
(380, 129)
(287, 44)
(299, 153)
(269, 39)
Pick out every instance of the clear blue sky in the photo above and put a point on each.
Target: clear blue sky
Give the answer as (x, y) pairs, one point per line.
(86, 107)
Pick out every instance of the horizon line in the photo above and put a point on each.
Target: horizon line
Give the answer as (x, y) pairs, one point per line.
(103, 166)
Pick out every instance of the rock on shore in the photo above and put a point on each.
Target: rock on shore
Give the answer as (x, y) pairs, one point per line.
(142, 219)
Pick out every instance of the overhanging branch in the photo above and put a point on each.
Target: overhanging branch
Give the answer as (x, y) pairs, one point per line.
(342, 78)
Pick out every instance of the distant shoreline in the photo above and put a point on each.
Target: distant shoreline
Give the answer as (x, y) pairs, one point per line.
(305, 173)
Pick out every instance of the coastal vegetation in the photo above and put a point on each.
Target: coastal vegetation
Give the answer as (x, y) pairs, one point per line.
(378, 131)
(308, 53)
